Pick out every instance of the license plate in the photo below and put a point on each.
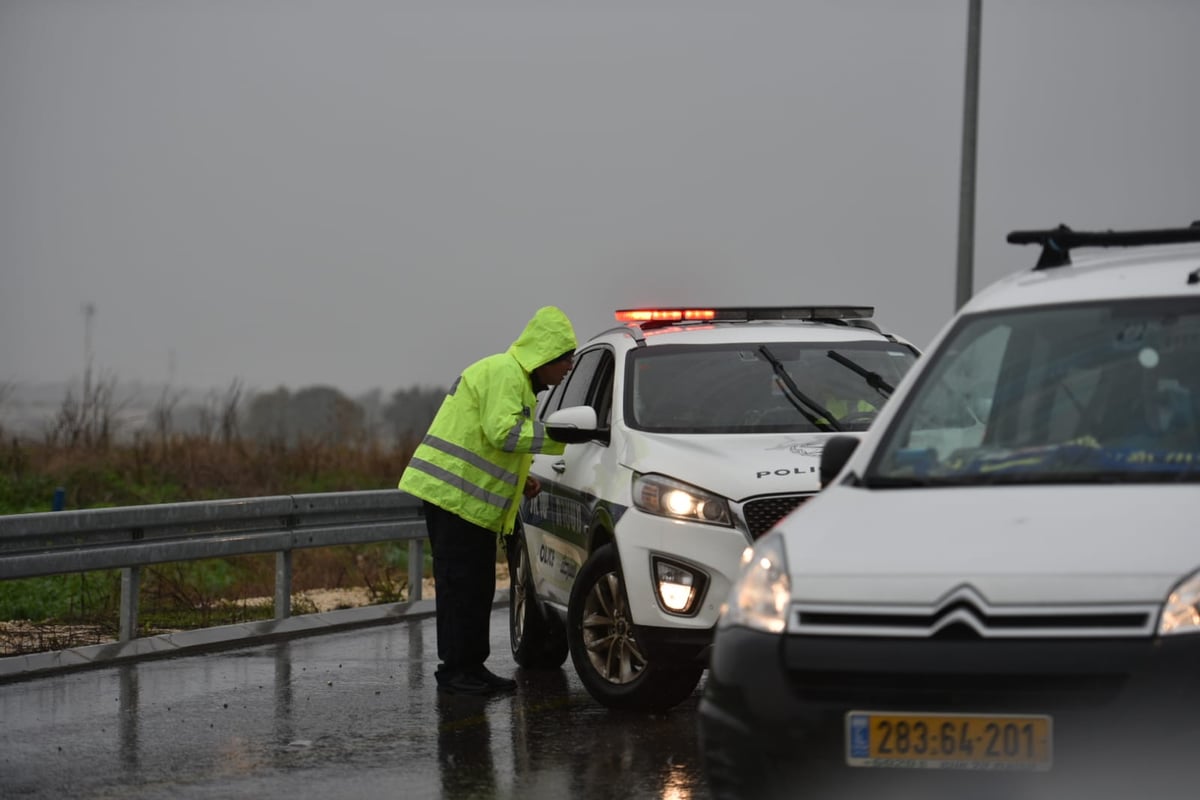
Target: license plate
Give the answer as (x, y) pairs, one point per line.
(948, 741)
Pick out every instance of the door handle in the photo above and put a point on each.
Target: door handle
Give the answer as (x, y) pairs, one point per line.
(559, 466)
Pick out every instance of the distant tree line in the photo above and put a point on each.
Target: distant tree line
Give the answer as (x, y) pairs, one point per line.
(100, 413)
(323, 413)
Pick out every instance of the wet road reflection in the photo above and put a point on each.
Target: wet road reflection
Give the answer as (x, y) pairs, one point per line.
(351, 714)
(556, 743)
(127, 722)
(465, 748)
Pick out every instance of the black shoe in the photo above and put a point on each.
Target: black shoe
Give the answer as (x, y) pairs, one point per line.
(465, 683)
(491, 679)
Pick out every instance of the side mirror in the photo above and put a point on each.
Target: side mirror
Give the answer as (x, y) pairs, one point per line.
(835, 455)
(573, 425)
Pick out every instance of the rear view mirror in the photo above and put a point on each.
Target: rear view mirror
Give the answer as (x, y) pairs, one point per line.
(834, 456)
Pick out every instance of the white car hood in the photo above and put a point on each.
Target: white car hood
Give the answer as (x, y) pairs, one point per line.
(734, 466)
(1012, 544)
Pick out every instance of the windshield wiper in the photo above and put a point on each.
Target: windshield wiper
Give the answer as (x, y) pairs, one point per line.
(798, 398)
(873, 379)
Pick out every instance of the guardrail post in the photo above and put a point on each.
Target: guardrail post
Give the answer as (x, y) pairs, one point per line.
(131, 590)
(283, 584)
(416, 568)
(131, 583)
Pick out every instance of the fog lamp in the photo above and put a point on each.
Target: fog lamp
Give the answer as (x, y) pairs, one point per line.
(676, 586)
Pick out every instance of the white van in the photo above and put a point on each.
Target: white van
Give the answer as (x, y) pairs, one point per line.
(1003, 575)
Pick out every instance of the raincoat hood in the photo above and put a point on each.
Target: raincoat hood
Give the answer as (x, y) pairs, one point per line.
(546, 337)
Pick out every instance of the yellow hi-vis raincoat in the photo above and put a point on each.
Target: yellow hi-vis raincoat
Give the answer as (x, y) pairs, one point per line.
(840, 408)
(475, 457)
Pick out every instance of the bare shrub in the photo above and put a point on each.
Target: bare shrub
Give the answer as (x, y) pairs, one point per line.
(218, 419)
(90, 420)
(163, 414)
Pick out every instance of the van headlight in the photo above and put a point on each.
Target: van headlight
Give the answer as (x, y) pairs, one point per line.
(760, 596)
(666, 497)
(1181, 614)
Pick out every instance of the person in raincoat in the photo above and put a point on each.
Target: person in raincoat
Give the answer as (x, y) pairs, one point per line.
(471, 470)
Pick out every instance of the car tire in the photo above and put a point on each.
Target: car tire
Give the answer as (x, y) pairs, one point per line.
(612, 667)
(538, 641)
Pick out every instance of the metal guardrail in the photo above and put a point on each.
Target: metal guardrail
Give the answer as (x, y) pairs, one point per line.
(62, 542)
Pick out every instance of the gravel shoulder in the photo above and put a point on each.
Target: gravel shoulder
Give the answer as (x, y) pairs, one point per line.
(332, 599)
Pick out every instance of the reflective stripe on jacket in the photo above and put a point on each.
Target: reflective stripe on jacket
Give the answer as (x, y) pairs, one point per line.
(475, 457)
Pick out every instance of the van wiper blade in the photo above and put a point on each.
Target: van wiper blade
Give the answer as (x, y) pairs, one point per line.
(873, 379)
(799, 399)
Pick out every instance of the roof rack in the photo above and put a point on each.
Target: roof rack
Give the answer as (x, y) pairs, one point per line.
(1057, 242)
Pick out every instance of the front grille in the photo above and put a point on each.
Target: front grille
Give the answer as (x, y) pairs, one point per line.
(763, 513)
(991, 690)
(977, 624)
(964, 613)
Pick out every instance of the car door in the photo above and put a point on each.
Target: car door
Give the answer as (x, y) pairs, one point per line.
(556, 521)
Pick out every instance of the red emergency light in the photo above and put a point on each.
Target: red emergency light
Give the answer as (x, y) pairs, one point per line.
(664, 314)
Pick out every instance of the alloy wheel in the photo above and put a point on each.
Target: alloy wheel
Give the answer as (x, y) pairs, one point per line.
(608, 632)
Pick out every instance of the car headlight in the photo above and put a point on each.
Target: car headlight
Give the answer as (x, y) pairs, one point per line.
(760, 596)
(658, 494)
(1181, 614)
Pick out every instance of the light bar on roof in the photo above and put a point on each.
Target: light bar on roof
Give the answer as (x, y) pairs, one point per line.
(663, 314)
(745, 313)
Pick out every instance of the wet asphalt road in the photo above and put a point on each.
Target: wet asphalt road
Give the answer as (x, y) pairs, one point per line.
(350, 714)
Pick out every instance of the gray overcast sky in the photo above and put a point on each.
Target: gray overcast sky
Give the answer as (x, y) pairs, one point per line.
(373, 193)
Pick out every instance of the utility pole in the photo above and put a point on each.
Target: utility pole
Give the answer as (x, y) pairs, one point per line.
(89, 313)
(966, 196)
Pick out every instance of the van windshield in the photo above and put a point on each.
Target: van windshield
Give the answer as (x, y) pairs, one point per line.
(1076, 393)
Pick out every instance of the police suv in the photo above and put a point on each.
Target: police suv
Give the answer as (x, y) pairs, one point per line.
(692, 432)
(998, 591)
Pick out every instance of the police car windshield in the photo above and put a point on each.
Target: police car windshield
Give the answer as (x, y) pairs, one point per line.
(1074, 393)
(740, 388)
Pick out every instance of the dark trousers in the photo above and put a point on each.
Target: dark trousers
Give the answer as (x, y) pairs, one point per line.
(464, 576)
